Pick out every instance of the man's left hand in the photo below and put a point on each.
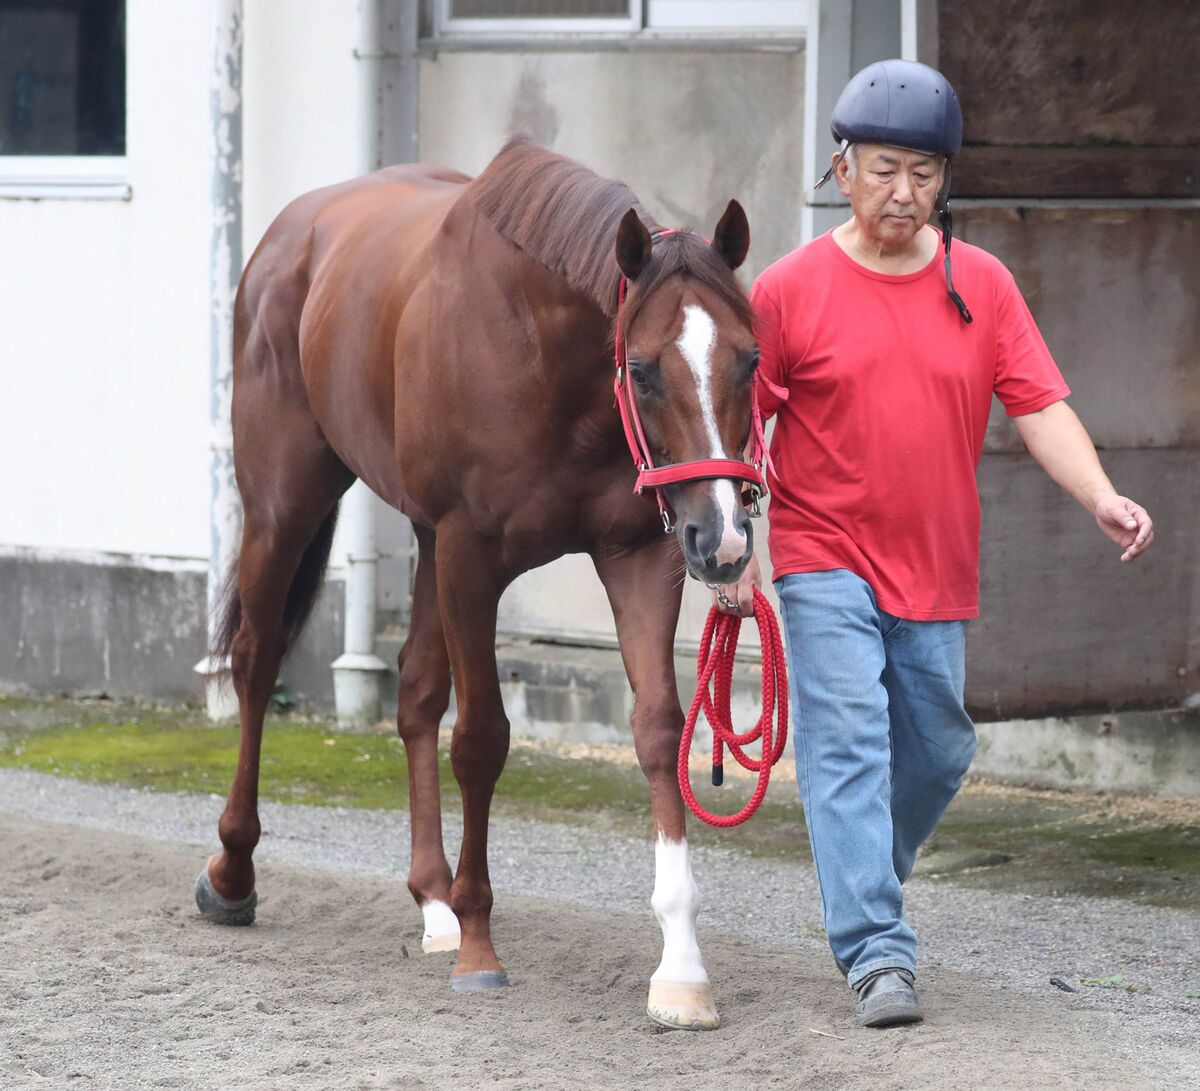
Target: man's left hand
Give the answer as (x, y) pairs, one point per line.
(1126, 523)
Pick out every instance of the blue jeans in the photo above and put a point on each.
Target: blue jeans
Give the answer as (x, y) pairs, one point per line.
(882, 742)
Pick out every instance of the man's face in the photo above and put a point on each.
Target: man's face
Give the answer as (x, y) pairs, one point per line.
(892, 191)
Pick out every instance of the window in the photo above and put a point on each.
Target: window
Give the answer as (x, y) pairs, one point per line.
(521, 16)
(62, 78)
(721, 15)
(533, 17)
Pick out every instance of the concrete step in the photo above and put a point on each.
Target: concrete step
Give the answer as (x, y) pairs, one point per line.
(581, 694)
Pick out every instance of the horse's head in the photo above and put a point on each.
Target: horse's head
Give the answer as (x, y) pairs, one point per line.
(692, 356)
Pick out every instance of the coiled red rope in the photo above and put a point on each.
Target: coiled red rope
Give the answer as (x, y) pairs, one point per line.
(714, 672)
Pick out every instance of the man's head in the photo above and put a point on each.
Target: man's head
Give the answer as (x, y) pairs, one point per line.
(892, 190)
(899, 125)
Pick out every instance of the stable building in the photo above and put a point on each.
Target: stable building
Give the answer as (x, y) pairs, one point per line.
(144, 148)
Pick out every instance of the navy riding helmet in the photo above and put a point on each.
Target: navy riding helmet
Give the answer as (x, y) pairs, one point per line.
(904, 104)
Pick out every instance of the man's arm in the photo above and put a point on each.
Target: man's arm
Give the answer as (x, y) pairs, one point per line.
(1058, 441)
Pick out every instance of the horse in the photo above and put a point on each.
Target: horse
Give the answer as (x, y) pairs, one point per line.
(448, 341)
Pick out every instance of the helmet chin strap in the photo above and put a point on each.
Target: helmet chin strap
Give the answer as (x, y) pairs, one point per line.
(947, 221)
(834, 165)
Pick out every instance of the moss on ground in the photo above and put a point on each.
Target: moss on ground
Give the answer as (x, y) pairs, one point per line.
(1049, 842)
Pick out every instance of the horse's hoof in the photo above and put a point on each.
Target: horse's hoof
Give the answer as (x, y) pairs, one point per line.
(221, 910)
(683, 1005)
(479, 981)
(441, 928)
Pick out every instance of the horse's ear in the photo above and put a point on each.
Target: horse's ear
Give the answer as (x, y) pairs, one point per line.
(633, 245)
(731, 239)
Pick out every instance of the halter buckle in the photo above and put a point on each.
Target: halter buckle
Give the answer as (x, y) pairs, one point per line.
(668, 526)
(755, 507)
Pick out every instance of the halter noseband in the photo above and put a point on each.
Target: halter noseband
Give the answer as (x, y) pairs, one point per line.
(651, 477)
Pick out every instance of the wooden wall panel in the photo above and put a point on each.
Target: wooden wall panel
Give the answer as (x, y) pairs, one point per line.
(1075, 98)
(1115, 293)
(1066, 627)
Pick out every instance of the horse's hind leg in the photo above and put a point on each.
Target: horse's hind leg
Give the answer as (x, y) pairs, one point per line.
(290, 511)
(423, 698)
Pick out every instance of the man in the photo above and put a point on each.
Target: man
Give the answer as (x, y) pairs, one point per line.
(881, 368)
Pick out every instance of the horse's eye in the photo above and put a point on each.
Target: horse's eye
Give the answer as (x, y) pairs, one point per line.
(637, 372)
(749, 361)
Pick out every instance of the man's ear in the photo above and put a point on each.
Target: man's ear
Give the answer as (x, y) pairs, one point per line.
(633, 245)
(731, 239)
(841, 171)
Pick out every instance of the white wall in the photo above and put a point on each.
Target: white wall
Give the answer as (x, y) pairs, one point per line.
(104, 303)
(103, 306)
(301, 126)
(301, 121)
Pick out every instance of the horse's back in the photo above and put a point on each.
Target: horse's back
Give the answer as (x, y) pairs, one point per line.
(312, 226)
(317, 305)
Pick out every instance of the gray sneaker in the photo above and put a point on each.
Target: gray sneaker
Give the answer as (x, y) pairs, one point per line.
(887, 998)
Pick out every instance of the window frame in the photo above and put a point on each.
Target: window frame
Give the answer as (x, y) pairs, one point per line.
(447, 25)
(48, 176)
(650, 22)
(41, 177)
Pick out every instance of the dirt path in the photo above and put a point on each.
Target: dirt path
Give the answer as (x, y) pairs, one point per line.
(109, 980)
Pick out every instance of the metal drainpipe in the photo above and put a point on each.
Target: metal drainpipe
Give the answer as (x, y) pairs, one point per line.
(225, 267)
(358, 671)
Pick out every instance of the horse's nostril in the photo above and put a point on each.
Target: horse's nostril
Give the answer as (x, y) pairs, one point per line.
(691, 534)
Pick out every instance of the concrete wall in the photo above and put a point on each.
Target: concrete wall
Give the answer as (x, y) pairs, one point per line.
(122, 625)
(687, 129)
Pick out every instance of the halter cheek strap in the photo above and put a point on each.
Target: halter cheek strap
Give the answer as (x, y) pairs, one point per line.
(656, 478)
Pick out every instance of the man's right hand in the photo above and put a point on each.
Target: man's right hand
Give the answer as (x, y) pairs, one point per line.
(742, 592)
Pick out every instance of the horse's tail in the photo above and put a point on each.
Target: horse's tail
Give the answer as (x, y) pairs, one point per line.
(301, 597)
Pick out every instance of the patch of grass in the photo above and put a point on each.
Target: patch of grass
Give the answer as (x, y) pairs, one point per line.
(300, 763)
(305, 762)
(1055, 846)
(1176, 848)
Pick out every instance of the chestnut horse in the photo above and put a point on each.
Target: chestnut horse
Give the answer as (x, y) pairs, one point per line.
(448, 341)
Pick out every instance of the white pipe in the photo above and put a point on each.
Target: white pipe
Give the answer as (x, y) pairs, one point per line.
(357, 672)
(225, 267)
(908, 30)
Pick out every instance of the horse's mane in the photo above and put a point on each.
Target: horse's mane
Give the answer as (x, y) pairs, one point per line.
(565, 217)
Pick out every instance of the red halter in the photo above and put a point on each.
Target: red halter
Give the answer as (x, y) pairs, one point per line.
(752, 473)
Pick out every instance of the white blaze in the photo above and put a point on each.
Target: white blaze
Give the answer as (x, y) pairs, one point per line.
(676, 902)
(696, 342)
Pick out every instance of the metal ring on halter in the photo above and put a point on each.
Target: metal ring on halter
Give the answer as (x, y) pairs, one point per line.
(725, 600)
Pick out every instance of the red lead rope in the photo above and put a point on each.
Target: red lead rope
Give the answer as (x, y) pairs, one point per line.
(714, 668)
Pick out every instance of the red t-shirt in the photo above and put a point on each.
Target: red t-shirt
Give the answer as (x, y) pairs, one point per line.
(888, 392)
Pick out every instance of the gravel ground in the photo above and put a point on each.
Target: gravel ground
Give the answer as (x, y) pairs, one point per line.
(977, 946)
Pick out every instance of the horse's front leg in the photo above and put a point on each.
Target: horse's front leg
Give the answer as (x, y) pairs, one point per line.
(643, 588)
(470, 583)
